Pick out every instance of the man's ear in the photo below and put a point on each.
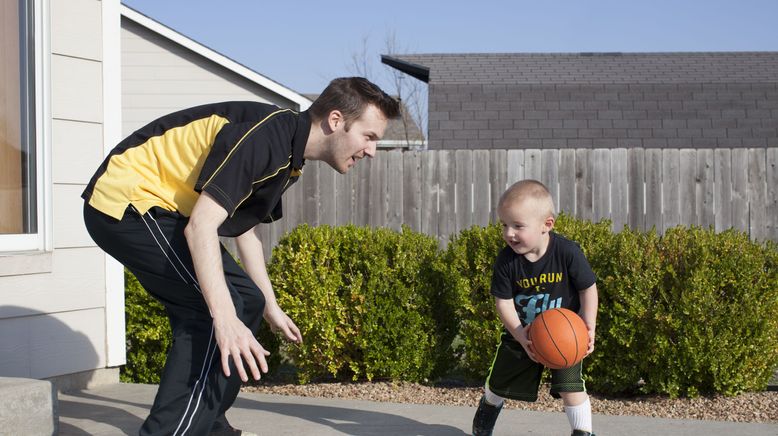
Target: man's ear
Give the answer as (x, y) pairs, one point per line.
(335, 120)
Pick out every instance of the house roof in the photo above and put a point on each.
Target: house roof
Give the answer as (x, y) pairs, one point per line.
(589, 68)
(395, 134)
(214, 56)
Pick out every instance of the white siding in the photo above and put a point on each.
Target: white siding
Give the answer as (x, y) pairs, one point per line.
(76, 28)
(53, 322)
(75, 168)
(160, 76)
(44, 345)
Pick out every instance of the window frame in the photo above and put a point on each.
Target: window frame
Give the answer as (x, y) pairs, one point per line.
(39, 114)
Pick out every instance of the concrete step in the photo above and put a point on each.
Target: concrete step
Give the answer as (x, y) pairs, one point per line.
(27, 407)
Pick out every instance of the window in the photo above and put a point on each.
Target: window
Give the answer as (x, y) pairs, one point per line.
(20, 196)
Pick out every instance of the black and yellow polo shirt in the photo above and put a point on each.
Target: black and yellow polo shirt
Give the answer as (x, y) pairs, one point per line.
(245, 154)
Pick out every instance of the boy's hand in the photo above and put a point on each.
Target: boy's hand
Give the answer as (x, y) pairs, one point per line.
(591, 341)
(523, 338)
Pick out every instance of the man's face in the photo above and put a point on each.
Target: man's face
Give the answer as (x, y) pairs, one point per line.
(346, 147)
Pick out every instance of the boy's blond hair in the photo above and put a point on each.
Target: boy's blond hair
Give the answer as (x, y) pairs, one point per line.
(531, 190)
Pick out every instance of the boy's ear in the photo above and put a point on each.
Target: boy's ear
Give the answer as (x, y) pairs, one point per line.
(548, 224)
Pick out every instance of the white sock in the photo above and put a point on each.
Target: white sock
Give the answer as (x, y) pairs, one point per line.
(492, 398)
(580, 416)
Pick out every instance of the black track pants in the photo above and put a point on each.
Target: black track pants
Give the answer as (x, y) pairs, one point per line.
(193, 391)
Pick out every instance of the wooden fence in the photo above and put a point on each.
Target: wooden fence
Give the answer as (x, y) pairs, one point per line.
(442, 192)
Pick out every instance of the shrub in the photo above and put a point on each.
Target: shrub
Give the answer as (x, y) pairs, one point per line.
(148, 336)
(470, 257)
(716, 314)
(369, 303)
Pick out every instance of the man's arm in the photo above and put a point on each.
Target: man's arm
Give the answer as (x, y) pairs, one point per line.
(510, 319)
(253, 259)
(233, 337)
(589, 302)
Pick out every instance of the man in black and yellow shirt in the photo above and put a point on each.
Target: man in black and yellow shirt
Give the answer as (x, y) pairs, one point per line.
(163, 196)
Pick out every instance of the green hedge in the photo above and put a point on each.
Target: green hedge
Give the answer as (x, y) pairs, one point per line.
(148, 334)
(691, 312)
(369, 302)
(688, 313)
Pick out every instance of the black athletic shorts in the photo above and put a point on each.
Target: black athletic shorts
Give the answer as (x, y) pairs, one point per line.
(514, 375)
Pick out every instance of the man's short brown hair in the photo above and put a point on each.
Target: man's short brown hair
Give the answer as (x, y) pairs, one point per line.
(350, 96)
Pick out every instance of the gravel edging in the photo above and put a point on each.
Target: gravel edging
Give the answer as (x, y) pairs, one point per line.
(756, 407)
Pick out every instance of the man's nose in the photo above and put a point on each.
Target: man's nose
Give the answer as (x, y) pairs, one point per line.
(371, 149)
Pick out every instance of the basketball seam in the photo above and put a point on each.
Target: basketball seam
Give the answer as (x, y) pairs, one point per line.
(575, 334)
(551, 338)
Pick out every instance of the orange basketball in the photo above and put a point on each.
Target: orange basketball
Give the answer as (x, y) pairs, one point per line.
(559, 338)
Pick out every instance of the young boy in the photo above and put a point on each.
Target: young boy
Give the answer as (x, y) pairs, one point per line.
(538, 270)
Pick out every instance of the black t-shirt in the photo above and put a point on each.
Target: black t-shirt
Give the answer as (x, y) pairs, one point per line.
(553, 281)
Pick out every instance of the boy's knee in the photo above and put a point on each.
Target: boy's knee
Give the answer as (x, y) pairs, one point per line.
(572, 399)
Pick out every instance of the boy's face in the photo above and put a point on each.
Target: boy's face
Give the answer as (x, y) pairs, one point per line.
(525, 227)
(352, 141)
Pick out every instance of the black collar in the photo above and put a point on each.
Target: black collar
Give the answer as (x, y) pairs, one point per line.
(300, 139)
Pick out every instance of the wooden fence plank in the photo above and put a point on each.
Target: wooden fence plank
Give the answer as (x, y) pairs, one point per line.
(515, 172)
(481, 193)
(688, 187)
(464, 189)
(549, 175)
(771, 195)
(740, 189)
(344, 196)
(533, 164)
(429, 193)
(636, 173)
(583, 184)
(446, 176)
(412, 186)
(292, 204)
(757, 193)
(722, 193)
(653, 167)
(671, 180)
(395, 178)
(601, 175)
(706, 214)
(567, 181)
(362, 193)
(327, 200)
(498, 178)
(376, 213)
(619, 189)
(310, 181)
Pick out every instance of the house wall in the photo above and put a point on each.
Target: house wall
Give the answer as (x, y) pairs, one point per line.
(53, 304)
(160, 76)
(558, 116)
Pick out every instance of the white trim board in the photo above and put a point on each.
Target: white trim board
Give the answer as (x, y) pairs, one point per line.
(112, 134)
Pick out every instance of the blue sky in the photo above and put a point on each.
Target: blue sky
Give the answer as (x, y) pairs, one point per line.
(304, 44)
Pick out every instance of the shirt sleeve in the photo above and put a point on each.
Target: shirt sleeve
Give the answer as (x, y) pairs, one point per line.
(237, 158)
(502, 283)
(581, 274)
